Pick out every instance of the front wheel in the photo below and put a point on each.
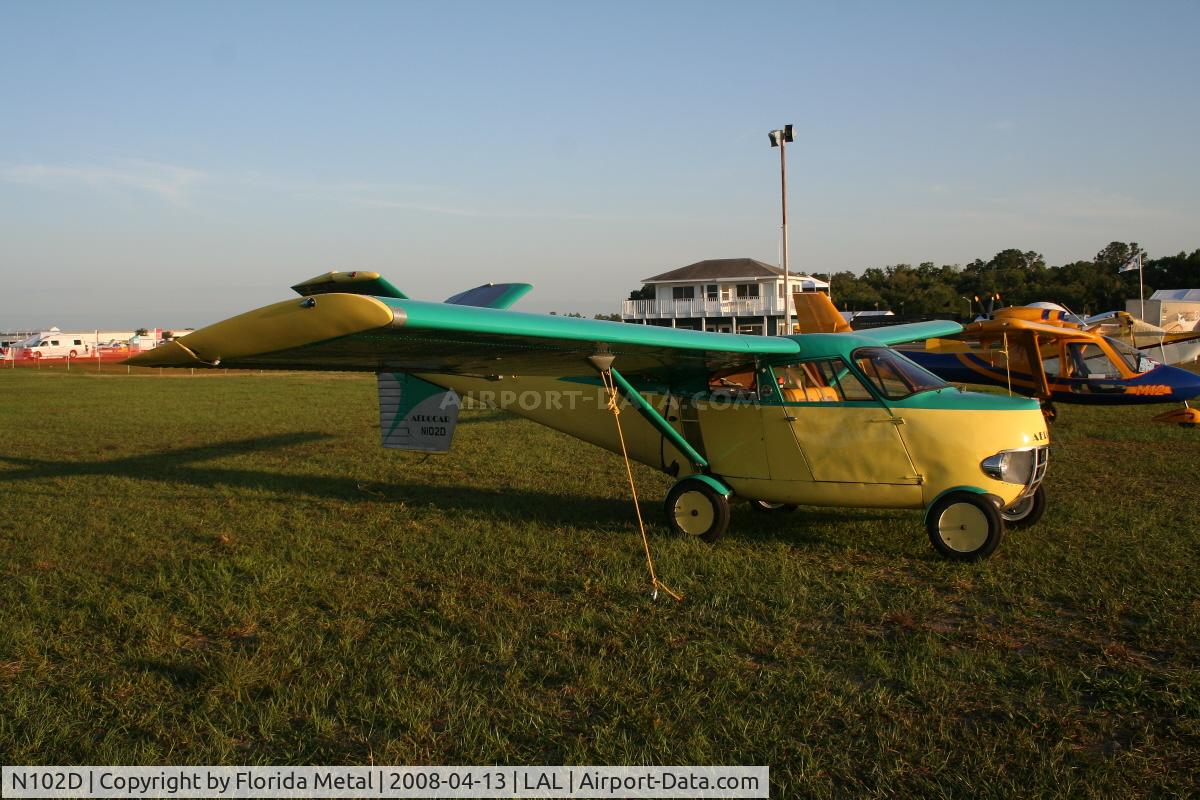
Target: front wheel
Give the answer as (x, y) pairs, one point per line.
(1026, 512)
(768, 507)
(964, 526)
(696, 509)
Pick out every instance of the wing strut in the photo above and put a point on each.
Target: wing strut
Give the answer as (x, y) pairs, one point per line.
(609, 377)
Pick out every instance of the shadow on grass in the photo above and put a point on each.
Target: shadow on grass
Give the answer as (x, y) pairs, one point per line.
(180, 466)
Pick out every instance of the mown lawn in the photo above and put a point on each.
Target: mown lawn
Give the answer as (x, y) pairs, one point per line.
(229, 569)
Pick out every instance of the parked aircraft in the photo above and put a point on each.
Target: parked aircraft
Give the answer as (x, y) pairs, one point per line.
(1039, 352)
(841, 420)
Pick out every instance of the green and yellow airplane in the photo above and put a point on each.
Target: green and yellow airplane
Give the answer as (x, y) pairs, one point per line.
(812, 419)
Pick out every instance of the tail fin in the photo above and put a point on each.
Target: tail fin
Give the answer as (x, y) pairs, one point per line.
(491, 295)
(816, 313)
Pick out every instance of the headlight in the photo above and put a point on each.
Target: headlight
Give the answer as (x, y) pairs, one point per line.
(1010, 466)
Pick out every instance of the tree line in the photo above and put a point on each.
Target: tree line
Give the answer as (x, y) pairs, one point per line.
(1013, 277)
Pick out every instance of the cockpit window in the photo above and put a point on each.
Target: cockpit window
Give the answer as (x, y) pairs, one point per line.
(1134, 359)
(827, 380)
(894, 375)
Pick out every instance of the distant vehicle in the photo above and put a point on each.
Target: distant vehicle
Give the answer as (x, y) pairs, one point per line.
(52, 344)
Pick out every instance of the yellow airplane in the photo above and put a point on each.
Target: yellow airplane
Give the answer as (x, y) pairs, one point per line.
(1158, 344)
(825, 420)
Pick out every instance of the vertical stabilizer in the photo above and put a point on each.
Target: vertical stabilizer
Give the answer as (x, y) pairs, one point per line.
(816, 313)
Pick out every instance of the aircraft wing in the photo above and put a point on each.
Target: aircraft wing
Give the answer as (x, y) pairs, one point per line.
(356, 332)
(911, 332)
(997, 327)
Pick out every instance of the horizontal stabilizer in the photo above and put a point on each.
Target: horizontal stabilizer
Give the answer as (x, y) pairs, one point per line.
(356, 282)
(416, 415)
(491, 295)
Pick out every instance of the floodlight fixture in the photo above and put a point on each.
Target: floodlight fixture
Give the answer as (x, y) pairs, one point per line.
(779, 136)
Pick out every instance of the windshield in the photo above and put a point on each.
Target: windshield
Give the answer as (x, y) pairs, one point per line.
(1134, 359)
(894, 375)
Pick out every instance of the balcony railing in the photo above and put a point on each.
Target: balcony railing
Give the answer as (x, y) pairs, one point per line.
(682, 309)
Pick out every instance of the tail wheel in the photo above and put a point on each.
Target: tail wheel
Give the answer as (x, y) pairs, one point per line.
(696, 509)
(964, 526)
(1027, 511)
(772, 508)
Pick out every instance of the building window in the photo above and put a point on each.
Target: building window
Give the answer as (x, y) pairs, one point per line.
(727, 293)
(683, 292)
(710, 291)
(747, 290)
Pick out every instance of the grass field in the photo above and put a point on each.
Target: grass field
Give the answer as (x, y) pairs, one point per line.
(229, 569)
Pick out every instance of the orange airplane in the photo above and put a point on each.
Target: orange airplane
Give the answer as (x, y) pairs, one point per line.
(1040, 353)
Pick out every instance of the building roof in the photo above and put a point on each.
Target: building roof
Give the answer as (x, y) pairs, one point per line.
(1165, 294)
(718, 269)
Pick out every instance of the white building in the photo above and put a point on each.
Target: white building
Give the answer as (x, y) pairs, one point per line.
(731, 295)
(1173, 310)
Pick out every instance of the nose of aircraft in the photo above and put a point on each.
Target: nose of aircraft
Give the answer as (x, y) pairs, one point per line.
(1184, 383)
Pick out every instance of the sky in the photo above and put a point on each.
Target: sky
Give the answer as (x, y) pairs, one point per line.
(171, 164)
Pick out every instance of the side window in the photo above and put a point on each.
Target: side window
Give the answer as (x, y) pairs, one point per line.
(710, 291)
(78, 341)
(827, 380)
(1090, 361)
(54, 342)
(739, 384)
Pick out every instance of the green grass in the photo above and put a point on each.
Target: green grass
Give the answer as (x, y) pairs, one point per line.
(229, 569)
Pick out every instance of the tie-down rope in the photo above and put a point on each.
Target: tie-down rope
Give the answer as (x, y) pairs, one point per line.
(615, 407)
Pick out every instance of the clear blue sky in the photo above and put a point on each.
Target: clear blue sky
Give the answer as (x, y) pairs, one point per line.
(170, 164)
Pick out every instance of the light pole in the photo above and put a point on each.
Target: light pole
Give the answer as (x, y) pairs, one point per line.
(780, 138)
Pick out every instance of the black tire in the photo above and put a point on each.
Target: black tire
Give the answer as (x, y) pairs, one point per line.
(767, 507)
(74, 354)
(697, 510)
(964, 526)
(1027, 512)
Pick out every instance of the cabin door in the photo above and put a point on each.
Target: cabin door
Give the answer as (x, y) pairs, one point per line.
(839, 429)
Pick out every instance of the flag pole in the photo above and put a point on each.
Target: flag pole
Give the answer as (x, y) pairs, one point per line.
(1142, 289)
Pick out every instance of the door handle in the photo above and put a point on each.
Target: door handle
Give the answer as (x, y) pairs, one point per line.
(789, 418)
(893, 420)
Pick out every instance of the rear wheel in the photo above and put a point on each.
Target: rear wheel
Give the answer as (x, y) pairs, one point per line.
(696, 509)
(1026, 512)
(74, 354)
(964, 526)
